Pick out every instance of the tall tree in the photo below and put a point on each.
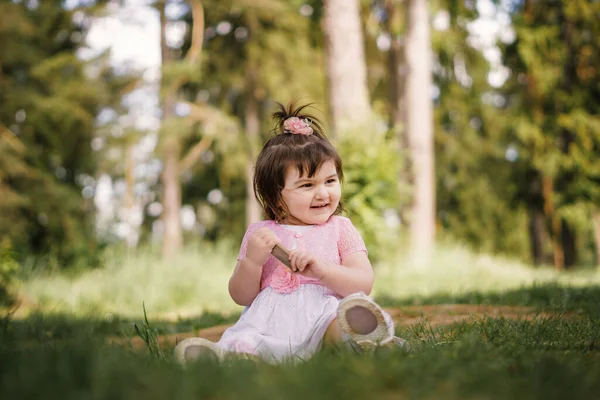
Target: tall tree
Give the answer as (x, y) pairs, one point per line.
(472, 172)
(394, 24)
(176, 74)
(48, 106)
(172, 236)
(260, 67)
(348, 95)
(419, 126)
(556, 127)
(252, 119)
(394, 29)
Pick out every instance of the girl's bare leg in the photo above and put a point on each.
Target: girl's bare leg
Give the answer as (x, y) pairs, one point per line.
(333, 334)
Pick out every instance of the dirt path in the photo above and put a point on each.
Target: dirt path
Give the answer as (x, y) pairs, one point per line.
(434, 315)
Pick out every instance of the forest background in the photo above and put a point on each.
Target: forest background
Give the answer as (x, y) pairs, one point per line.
(496, 146)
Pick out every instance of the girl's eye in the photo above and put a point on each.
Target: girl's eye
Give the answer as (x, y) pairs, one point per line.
(332, 180)
(307, 185)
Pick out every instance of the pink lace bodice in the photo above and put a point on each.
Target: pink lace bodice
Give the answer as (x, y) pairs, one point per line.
(331, 241)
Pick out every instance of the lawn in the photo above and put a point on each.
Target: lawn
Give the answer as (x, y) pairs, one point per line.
(58, 347)
(195, 282)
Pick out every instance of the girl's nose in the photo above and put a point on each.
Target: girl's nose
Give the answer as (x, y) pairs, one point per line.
(322, 192)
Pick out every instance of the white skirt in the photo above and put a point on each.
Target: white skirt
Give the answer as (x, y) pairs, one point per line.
(283, 327)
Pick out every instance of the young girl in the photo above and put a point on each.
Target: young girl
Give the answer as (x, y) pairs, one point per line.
(320, 298)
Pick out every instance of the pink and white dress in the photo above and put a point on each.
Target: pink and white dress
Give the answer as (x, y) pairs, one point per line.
(289, 317)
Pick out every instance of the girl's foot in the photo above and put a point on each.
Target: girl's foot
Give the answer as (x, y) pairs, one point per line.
(398, 343)
(192, 349)
(364, 323)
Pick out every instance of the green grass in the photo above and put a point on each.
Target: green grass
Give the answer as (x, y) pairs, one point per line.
(455, 271)
(59, 349)
(195, 282)
(493, 358)
(189, 284)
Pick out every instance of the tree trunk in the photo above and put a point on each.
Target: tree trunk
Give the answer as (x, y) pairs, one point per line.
(172, 236)
(130, 204)
(397, 76)
(536, 235)
(596, 223)
(396, 71)
(346, 65)
(252, 122)
(569, 244)
(555, 223)
(419, 128)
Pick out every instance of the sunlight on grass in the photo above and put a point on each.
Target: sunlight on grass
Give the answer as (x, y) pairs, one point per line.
(195, 282)
(455, 270)
(191, 283)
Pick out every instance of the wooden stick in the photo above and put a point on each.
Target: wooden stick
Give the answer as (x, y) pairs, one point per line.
(281, 253)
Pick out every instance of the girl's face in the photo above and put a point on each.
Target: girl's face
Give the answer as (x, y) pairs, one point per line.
(311, 201)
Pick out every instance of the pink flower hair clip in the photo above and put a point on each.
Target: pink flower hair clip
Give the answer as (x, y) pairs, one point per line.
(298, 126)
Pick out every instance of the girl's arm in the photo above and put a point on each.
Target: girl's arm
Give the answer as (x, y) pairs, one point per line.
(355, 274)
(244, 284)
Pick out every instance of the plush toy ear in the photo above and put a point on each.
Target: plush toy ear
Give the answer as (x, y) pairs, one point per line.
(281, 253)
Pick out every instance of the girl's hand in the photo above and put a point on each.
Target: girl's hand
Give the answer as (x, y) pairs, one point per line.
(306, 264)
(260, 245)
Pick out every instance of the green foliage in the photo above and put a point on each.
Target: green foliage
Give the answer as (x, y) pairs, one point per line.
(283, 71)
(546, 114)
(149, 335)
(48, 106)
(371, 169)
(260, 64)
(8, 272)
(553, 107)
(473, 177)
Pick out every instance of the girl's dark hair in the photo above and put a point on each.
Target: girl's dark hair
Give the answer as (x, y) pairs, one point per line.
(285, 149)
